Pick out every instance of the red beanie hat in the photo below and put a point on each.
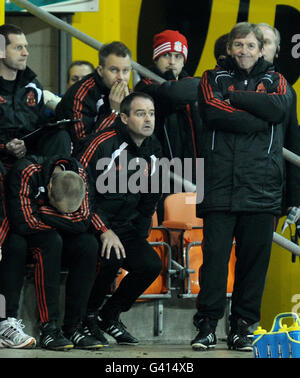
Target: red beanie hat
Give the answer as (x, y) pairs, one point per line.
(169, 41)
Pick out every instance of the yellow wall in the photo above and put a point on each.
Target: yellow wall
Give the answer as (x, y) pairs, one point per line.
(115, 20)
(118, 20)
(2, 13)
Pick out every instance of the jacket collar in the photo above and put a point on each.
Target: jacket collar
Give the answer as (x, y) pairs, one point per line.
(49, 164)
(100, 83)
(22, 79)
(154, 69)
(230, 64)
(145, 147)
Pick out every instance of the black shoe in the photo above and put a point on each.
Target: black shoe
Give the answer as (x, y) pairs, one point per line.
(240, 338)
(206, 338)
(93, 325)
(82, 339)
(117, 330)
(53, 338)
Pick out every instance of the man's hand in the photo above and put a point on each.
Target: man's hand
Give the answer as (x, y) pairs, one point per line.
(110, 240)
(117, 93)
(17, 148)
(50, 99)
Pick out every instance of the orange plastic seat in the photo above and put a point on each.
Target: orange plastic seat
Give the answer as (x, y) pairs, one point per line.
(180, 218)
(180, 211)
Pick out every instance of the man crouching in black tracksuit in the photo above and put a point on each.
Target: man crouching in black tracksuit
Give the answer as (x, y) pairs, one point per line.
(127, 214)
(48, 204)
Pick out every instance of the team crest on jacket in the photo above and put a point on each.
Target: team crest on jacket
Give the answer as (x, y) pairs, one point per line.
(261, 88)
(30, 99)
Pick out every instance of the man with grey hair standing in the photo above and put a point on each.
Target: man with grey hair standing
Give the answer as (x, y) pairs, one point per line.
(243, 103)
(271, 42)
(291, 131)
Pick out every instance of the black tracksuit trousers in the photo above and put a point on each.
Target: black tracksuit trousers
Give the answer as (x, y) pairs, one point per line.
(253, 234)
(143, 265)
(51, 250)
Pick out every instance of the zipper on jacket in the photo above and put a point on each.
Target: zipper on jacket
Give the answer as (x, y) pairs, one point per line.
(189, 113)
(168, 141)
(213, 140)
(271, 140)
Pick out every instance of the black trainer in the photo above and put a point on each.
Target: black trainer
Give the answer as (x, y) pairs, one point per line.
(117, 330)
(82, 339)
(52, 337)
(206, 337)
(92, 323)
(240, 338)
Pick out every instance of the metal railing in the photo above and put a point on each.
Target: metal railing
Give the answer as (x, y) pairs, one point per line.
(64, 26)
(92, 42)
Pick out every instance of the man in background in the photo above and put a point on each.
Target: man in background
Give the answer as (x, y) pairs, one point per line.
(177, 119)
(22, 105)
(77, 70)
(95, 101)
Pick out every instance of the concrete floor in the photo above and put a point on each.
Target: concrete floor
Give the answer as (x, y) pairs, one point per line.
(173, 317)
(141, 351)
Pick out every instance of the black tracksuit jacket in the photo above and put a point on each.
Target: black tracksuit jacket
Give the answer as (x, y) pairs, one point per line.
(87, 101)
(242, 140)
(21, 107)
(28, 206)
(177, 124)
(122, 210)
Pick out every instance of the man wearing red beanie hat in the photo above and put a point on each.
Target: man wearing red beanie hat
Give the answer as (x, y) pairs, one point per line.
(170, 41)
(177, 123)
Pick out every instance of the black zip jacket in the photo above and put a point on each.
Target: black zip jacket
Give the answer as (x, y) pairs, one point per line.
(87, 101)
(21, 107)
(28, 206)
(177, 124)
(243, 137)
(121, 209)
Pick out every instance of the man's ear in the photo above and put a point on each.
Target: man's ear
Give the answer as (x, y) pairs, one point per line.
(99, 69)
(49, 186)
(228, 49)
(124, 118)
(277, 51)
